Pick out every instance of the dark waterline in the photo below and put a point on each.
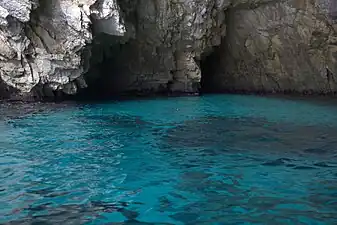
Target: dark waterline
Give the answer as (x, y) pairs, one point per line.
(214, 159)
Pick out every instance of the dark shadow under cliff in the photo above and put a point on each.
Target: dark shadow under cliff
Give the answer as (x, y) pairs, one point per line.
(210, 64)
(104, 73)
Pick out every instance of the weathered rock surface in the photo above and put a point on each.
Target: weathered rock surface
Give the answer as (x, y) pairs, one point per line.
(162, 45)
(41, 43)
(49, 47)
(280, 46)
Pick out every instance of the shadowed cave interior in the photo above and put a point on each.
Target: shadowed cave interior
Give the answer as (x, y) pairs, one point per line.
(210, 66)
(108, 71)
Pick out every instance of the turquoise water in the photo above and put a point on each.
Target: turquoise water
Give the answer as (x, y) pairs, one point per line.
(225, 159)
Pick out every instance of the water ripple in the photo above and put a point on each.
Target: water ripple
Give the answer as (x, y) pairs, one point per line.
(207, 160)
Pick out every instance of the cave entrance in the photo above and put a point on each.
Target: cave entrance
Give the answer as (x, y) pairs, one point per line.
(210, 65)
(109, 69)
(103, 77)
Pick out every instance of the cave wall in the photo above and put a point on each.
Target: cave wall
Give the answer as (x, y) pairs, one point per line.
(114, 46)
(162, 44)
(282, 46)
(43, 43)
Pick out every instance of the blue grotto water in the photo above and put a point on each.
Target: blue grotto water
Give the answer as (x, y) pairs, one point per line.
(217, 159)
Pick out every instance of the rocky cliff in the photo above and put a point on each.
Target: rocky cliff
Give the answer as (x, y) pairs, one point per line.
(63, 47)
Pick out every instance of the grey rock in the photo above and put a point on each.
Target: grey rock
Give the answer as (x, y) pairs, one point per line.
(19, 9)
(107, 19)
(264, 45)
(154, 46)
(43, 43)
(282, 46)
(163, 41)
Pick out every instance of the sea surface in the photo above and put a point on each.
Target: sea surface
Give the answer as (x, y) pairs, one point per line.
(214, 159)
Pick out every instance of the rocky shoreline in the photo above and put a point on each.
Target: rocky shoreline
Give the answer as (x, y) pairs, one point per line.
(66, 49)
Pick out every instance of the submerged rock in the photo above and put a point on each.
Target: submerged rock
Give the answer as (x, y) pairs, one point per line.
(242, 134)
(57, 47)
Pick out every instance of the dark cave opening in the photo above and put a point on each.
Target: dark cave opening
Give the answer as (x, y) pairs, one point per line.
(109, 71)
(105, 77)
(210, 66)
(5, 90)
(105, 73)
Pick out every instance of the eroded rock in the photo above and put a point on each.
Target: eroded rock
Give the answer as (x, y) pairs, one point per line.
(160, 46)
(281, 46)
(41, 43)
(166, 38)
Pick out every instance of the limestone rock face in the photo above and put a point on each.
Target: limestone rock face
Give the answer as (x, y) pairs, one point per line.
(62, 46)
(280, 46)
(42, 42)
(164, 41)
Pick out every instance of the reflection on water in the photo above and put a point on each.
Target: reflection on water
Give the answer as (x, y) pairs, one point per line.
(175, 161)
